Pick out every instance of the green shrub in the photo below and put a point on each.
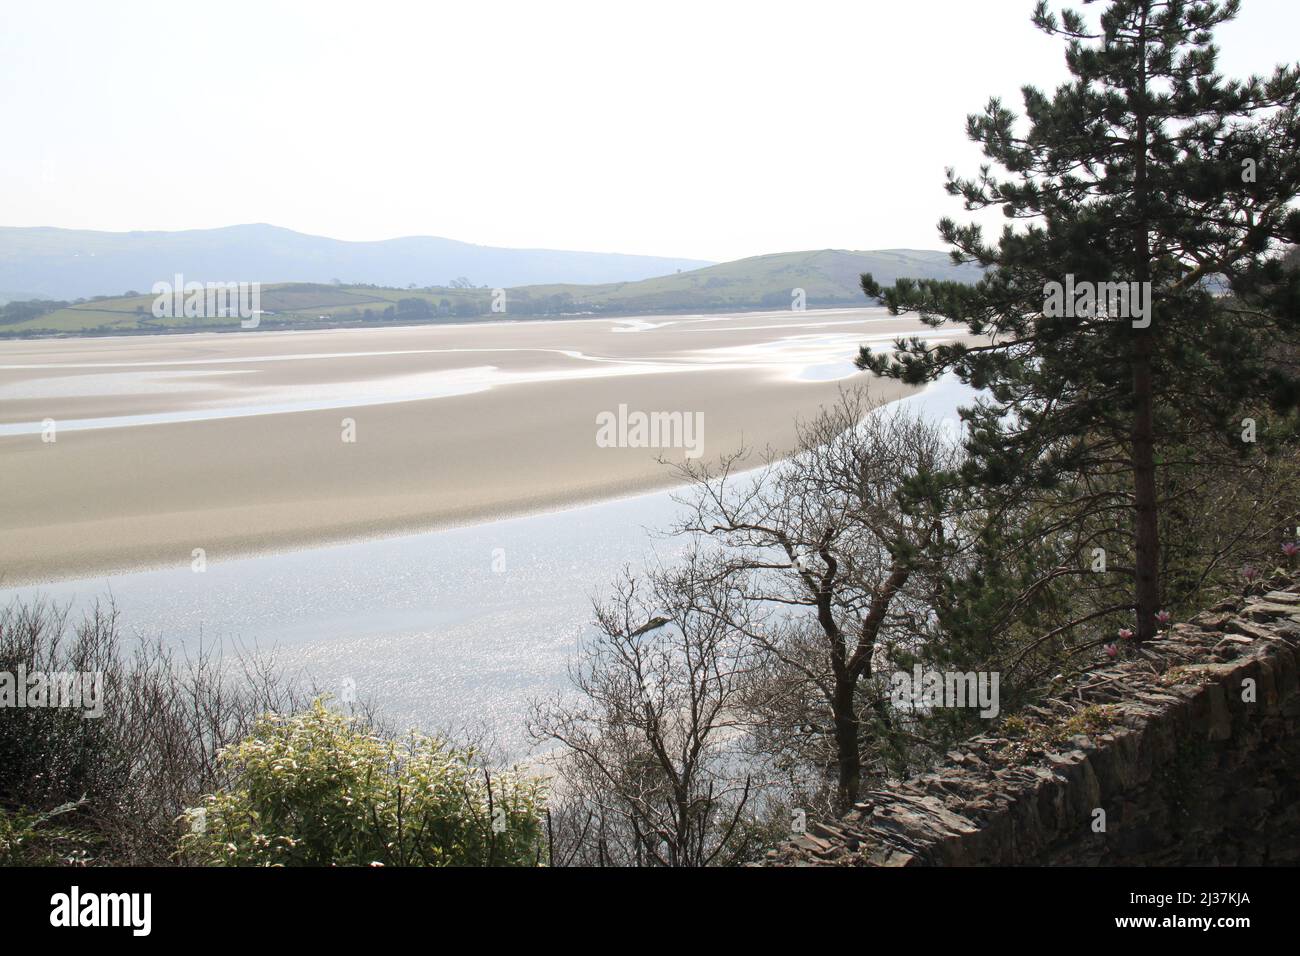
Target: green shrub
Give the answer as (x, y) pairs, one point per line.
(28, 839)
(317, 790)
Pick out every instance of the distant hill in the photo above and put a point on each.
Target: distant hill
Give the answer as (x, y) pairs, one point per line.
(828, 277)
(68, 264)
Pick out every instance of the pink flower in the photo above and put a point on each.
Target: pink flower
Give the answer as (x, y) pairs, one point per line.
(1125, 634)
(1112, 650)
(1291, 549)
(1163, 618)
(1249, 573)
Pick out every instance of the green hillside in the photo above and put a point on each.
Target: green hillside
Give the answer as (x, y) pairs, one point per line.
(828, 277)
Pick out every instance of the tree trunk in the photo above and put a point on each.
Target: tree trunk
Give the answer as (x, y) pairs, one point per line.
(1146, 526)
(846, 741)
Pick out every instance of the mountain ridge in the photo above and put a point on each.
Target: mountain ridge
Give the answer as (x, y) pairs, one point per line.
(64, 264)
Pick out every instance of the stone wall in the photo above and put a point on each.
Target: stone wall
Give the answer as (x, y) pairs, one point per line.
(1190, 746)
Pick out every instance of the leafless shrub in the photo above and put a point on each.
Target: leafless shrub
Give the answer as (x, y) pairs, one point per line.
(166, 714)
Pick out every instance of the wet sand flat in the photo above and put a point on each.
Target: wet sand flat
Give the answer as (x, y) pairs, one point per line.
(235, 443)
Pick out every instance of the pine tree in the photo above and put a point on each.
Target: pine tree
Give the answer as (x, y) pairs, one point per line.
(1147, 167)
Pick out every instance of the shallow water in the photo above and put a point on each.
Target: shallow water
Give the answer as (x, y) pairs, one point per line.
(446, 629)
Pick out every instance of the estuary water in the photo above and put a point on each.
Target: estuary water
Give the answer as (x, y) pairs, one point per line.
(447, 630)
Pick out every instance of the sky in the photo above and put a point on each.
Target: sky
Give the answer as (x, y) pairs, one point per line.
(704, 129)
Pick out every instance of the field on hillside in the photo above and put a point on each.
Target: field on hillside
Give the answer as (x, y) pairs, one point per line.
(284, 305)
(827, 278)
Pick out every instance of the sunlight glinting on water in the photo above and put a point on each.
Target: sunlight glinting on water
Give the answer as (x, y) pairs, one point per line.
(425, 624)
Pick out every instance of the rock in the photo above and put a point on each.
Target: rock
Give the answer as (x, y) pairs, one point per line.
(1248, 629)
(1268, 610)
(1207, 621)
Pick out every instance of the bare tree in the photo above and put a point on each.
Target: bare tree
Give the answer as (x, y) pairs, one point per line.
(832, 556)
(649, 772)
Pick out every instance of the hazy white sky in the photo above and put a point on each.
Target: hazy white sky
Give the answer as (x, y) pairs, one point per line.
(707, 129)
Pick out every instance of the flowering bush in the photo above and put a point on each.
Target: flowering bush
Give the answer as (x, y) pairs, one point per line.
(315, 790)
